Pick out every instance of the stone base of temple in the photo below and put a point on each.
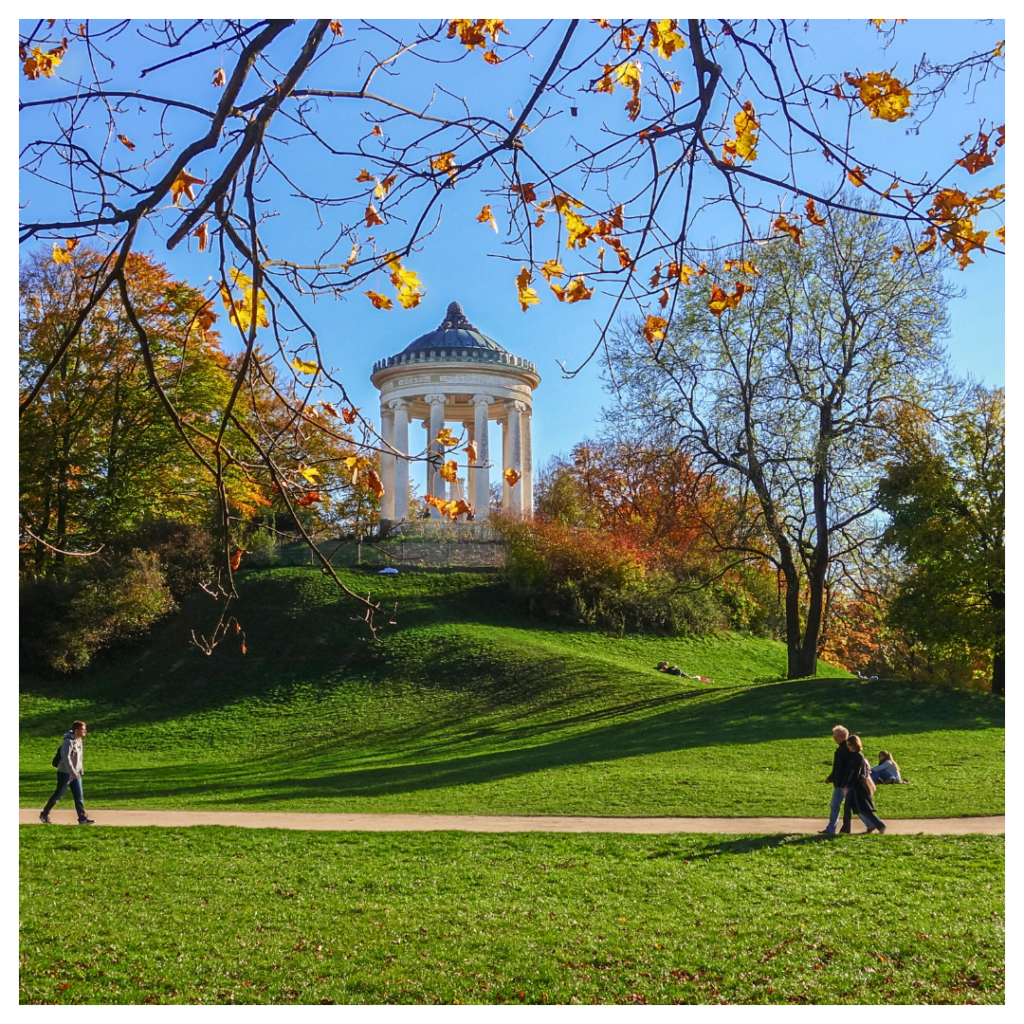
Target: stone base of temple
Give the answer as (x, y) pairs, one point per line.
(430, 543)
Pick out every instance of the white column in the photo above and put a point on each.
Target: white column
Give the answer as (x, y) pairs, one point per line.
(525, 421)
(435, 458)
(400, 430)
(482, 474)
(387, 463)
(506, 491)
(515, 455)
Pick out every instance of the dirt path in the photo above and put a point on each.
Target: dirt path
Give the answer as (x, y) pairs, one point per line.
(994, 825)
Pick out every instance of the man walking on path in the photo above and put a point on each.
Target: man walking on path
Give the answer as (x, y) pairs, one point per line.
(841, 761)
(69, 774)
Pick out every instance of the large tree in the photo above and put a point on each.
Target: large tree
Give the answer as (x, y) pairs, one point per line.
(945, 491)
(629, 138)
(782, 393)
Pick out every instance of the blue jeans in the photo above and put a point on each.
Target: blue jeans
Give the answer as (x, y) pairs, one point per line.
(64, 783)
(833, 817)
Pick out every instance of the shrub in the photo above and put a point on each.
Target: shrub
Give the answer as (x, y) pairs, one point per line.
(188, 554)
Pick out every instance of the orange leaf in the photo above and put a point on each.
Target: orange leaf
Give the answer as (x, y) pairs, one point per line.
(202, 233)
(654, 329)
(743, 266)
(552, 268)
(897, 252)
(377, 130)
(349, 415)
(373, 482)
(491, 57)
(813, 216)
(372, 217)
(856, 176)
(721, 301)
(886, 97)
(664, 298)
(379, 301)
(445, 162)
(527, 295)
(364, 175)
(182, 186)
(783, 226)
(486, 217)
(512, 476)
(470, 451)
(125, 141)
(236, 558)
(336, 28)
(309, 499)
(575, 291)
(219, 79)
(450, 471)
(525, 191)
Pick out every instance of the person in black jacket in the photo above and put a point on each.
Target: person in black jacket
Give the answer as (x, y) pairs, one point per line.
(860, 788)
(840, 762)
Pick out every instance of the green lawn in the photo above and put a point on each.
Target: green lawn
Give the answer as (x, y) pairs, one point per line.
(471, 707)
(217, 915)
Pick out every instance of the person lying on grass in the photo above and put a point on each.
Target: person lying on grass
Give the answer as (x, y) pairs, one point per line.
(887, 770)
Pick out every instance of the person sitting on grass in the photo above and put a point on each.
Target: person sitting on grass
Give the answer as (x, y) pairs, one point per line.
(860, 788)
(887, 770)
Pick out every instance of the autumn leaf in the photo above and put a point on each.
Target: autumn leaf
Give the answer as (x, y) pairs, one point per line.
(886, 97)
(303, 366)
(552, 268)
(527, 296)
(682, 272)
(1001, 234)
(336, 28)
(446, 437)
(60, 255)
(349, 415)
(373, 482)
(664, 298)
(202, 233)
(182, 186)
(445, 162)
(512, 476)
(330, 410)
(665, 40)
(450, 471)
(125, 141)
(979, 157)
(579, 232)
(743, 266)
(525, 191)
(379, 301)
(71, 244)
(745, 143)
(410, 288)
(36, 63)
(575, 291)
(473, 33)
(219, 78)
(240, 311)
(470, 451)
(491, 57)
(364, 175)
(782, 226)
(308, 499)
(377, 130)
(486, 217)
(372, 217)
(721, 301)
(897, 252)
(311, 474)
(813, 216)
(654, 329)
(236, 561)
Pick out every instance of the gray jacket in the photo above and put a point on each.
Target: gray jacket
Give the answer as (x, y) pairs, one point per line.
(70, 755)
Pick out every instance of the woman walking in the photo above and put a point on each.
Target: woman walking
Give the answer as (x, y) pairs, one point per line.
(860, 786)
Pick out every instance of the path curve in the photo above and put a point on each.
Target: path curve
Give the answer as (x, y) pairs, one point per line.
(993, 825)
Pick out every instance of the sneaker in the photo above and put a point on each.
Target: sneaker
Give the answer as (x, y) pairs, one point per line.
(825, 832)
(44, 817)
(881, 830)
(86, 821)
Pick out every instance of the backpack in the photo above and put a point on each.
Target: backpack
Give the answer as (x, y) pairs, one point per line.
(56, 757)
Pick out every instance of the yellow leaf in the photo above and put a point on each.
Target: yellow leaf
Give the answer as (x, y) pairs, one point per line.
(445, 162)
(37, 63)
(579, 231)
(886, 97)
(379, 301)
(743, 266)
(446, 437)
(240, 311)
(486, 217)
(60, 255)
(182, 186)
(575, 291)
(745, 143)
(450, 471)
(382, 188)
(527, 296)
(311, 474)
(897, 252)
(512, 476)
(654, 329)
(856, 176)
(552, 268)
(665, 40)
(302, 366)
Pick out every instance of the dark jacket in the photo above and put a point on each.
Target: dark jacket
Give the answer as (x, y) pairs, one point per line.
(842, 761)
(856, 780)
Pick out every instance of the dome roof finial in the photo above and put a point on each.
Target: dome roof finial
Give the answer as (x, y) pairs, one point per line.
(455, 319)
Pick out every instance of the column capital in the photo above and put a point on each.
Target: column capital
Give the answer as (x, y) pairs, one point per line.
(483, 399)
(435, 399)
(396, 403)
(517, 405)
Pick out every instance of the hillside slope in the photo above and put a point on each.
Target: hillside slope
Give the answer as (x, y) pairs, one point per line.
(471, 707)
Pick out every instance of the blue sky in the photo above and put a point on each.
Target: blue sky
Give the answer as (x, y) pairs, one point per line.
(466, 261)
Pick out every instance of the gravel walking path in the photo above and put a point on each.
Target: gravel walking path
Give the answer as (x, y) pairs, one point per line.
(993, 825)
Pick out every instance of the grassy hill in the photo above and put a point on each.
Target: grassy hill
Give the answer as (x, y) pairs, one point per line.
(472, 707)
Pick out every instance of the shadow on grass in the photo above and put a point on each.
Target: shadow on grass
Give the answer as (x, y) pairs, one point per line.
(795, 710)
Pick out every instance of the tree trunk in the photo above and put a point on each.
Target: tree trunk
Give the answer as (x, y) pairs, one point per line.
(999, 675)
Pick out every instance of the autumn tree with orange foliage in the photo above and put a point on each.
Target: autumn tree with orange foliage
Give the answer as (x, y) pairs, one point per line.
(681, 118)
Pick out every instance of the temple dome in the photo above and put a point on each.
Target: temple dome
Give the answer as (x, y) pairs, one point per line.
(455, 339)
